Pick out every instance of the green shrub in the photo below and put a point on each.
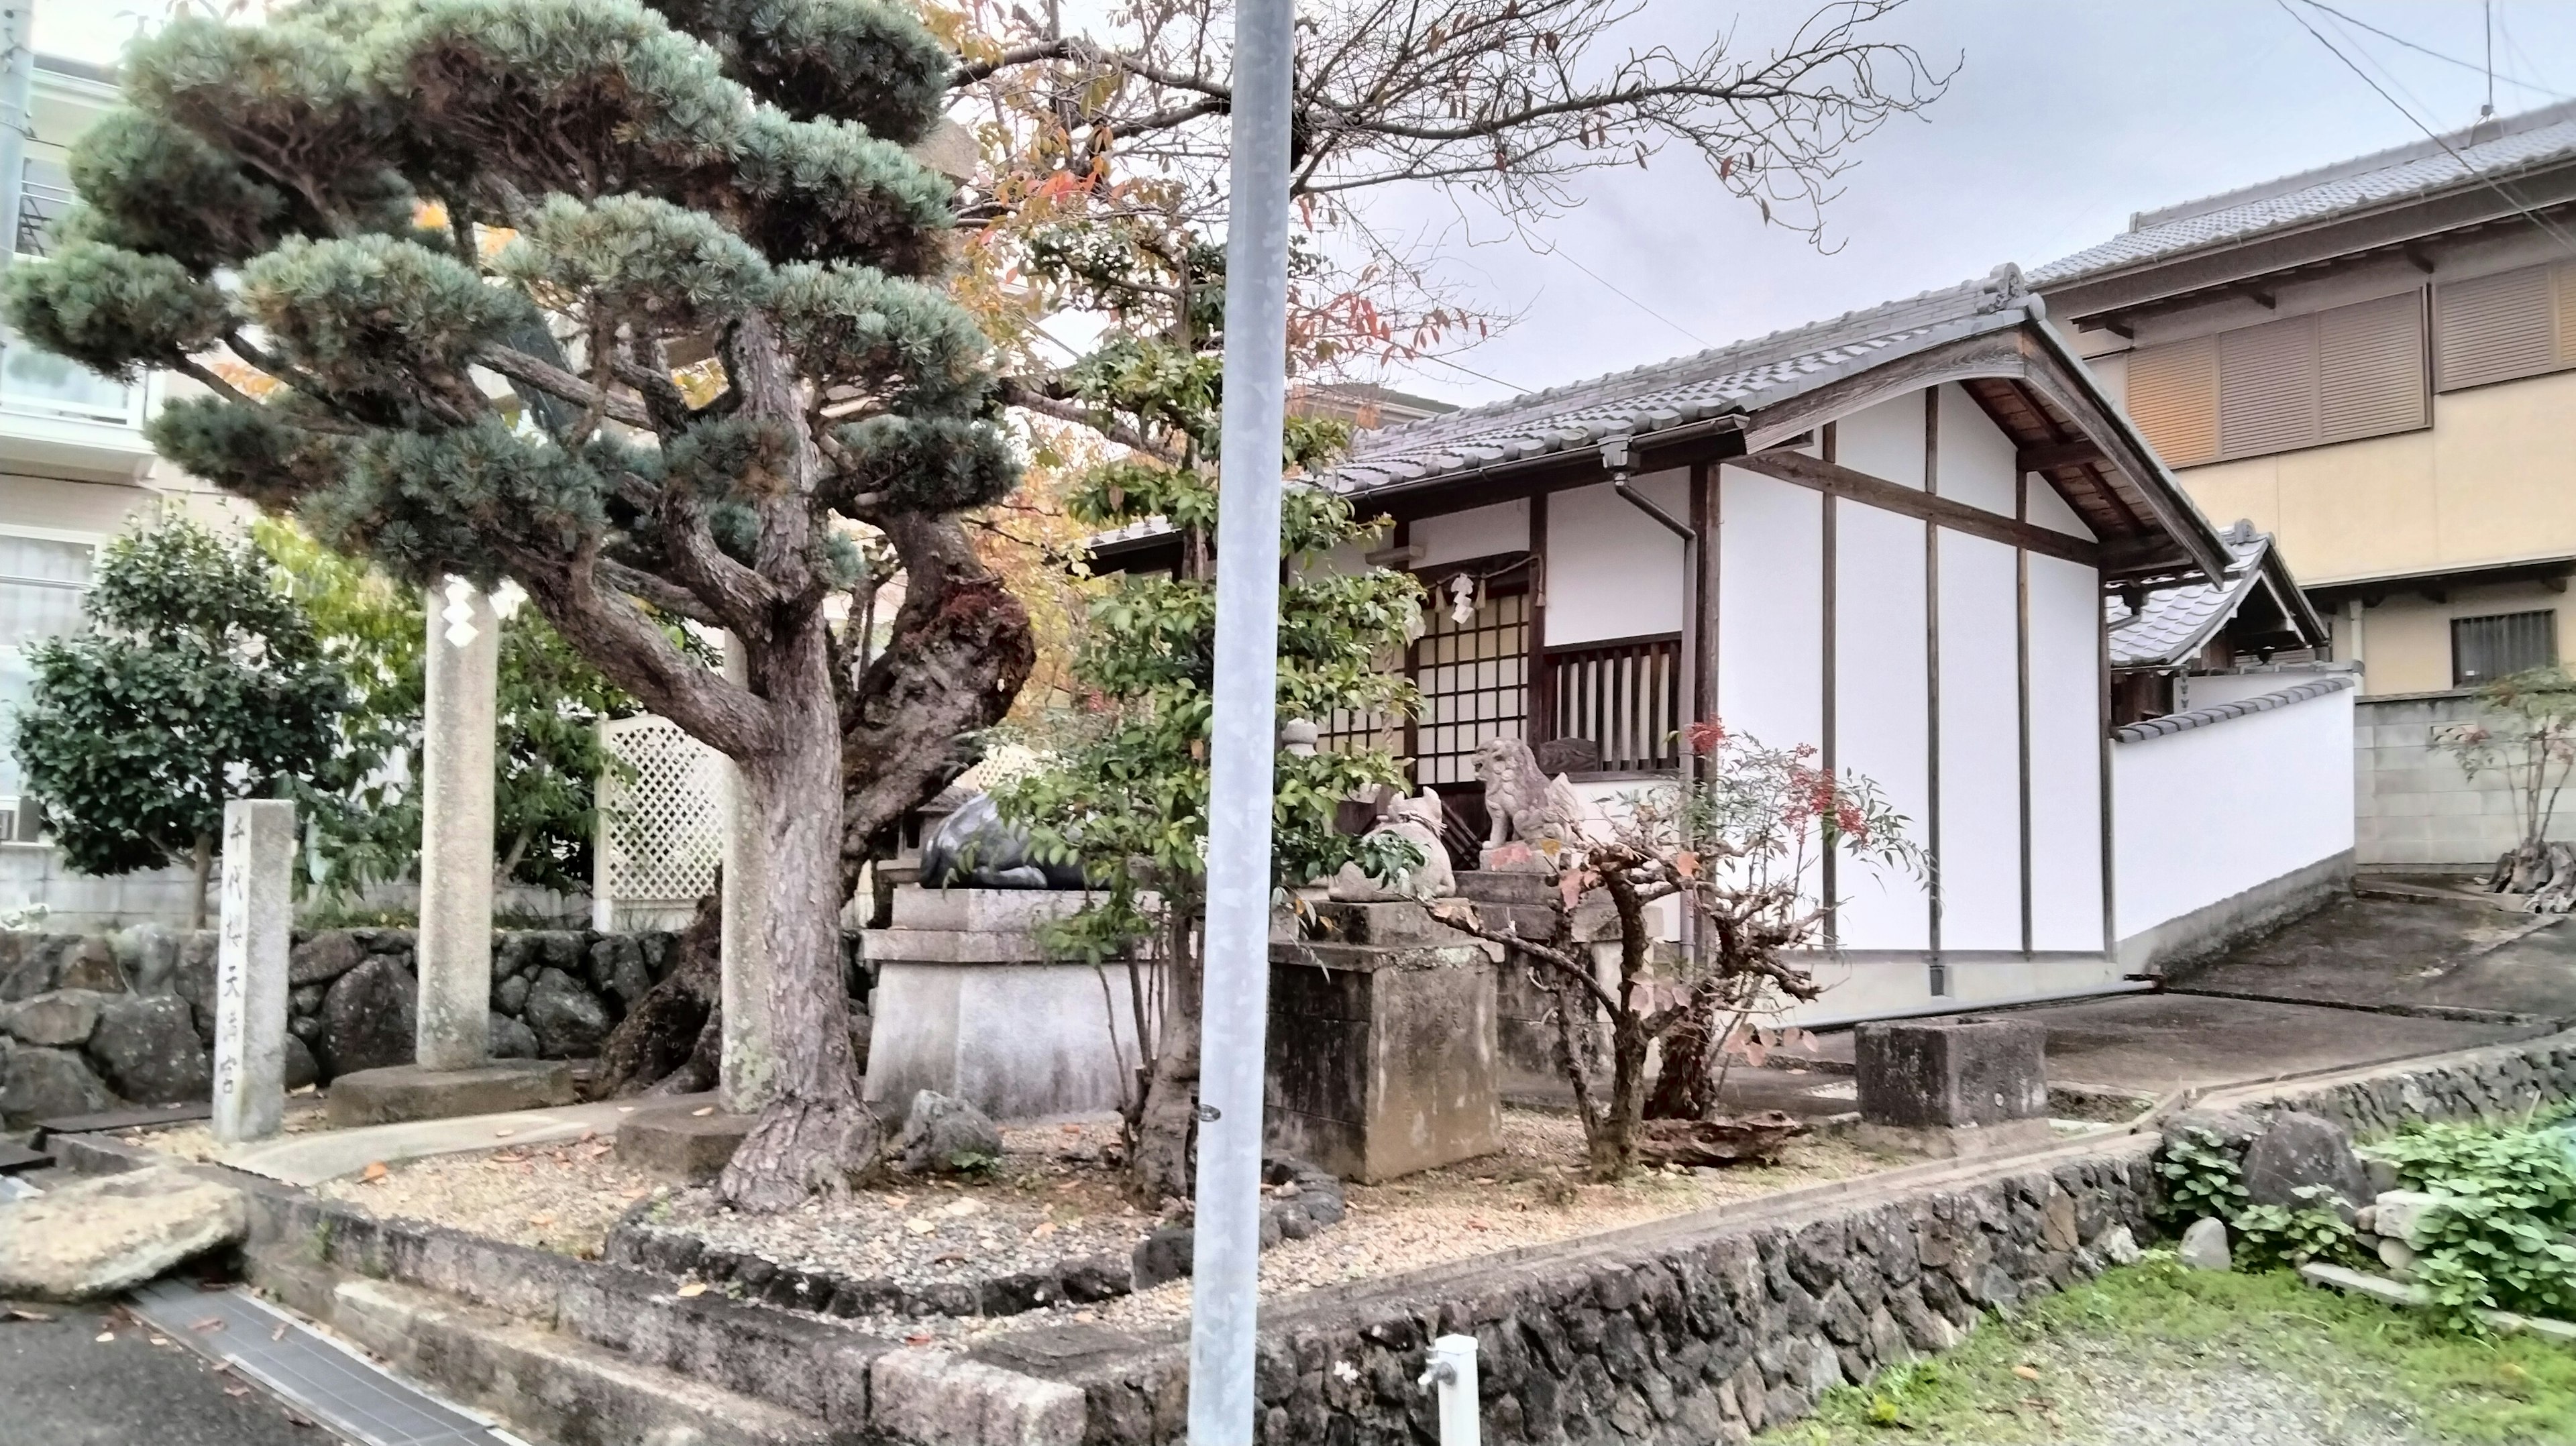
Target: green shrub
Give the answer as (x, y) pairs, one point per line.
(2202, 1177)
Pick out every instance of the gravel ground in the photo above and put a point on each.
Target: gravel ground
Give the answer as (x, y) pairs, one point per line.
(304, 1115)
(560, 1197)
(2095, 1393)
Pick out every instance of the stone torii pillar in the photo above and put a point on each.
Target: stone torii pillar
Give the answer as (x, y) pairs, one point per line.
(452, 1071)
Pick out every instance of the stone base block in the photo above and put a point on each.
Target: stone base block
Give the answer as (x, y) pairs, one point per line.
(1383, 1061)
(1954, 1142)
(408, 1092)
(1017, 1040)
(673, 1140)
(1951, 1072)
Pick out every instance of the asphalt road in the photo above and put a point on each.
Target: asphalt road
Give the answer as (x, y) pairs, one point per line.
(62, 1386)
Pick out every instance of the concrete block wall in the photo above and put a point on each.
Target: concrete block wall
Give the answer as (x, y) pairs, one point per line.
(2413, 806)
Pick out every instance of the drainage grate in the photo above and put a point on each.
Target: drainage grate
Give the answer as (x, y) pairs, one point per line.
(325, 1379)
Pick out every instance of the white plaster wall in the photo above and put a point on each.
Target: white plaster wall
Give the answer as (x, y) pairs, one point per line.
(2205, 814)
(2065, 756)
(1612, 571)
(1882, 711)
(1771, 567)
(1977, 459)
(2049, 510)
(2213, 689)
(1980, 840)
(1885, 441)
(1476, 532)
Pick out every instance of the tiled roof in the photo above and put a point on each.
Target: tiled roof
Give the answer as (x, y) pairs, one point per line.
(2259, 703)
(2493, 151)
(1737, 378)
(2174, 623)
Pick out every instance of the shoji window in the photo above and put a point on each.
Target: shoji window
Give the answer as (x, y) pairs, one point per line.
(2330, 376)
(2513, 324)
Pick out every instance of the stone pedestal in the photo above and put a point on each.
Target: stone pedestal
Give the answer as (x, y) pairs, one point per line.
(251, 969)
(687, 1140)
(408, 1092)
(1525, 1010)
(454, 1012)
(1952, 1087)
(1384, 1058)
(968, 1005)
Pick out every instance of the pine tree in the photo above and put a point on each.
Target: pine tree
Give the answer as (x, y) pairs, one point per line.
(470, 241)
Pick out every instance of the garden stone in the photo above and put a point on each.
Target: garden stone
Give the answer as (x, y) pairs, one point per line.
(306, 1000)
(1163, 1256)
(324, 957)
(91, 965)
(2400, 1214)
(306, 1027)
(194, 980)
(568, 1020)
(510, 996)
(46, 1084)
(147, 1050)
(105, 1235)
(149, 955)
(2297, 1150)
(367, 1019)
(62, 1019)
(2204, 1246)
(2398, 1256)
(300, 1068)
(512, 1039)
(2118, 1246)
(2233, 1129)
(939, 1130)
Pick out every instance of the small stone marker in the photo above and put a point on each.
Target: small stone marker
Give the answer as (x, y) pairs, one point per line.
(462, 679)
(258, 914)
(1954, 1086)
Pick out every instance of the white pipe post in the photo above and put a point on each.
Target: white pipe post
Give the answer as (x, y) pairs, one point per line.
(1451, 1377)
(1226, 1246)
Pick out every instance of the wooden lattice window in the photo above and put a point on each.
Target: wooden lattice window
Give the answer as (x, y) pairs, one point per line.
(1473, 675)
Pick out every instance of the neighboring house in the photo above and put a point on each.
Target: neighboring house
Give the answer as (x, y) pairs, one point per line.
(74, 467)
(1909, 519)
(1365, 405)
(2375, 361)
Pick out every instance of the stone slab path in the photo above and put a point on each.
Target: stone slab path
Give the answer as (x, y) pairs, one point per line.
(310, 1159)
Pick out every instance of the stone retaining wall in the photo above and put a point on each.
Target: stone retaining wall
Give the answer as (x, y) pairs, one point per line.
(2495, 1082)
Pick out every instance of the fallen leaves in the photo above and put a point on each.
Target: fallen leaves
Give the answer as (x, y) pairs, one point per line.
(542, 1219)
(2026, 1371)
(236, 1392)
(691, 1290)
(103, 1337)
(375, 1172)
(20, 1312)
(278, 1334)
(701, 1112)
(921, 1225)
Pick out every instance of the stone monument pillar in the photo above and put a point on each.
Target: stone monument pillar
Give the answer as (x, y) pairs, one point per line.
(452, 1071)
(464, 673)
(743, 1077)
(250, 969)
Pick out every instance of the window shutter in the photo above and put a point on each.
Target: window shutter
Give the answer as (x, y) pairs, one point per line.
(2173, 397)
(2370, 378)
(2495, 328)
(2267, 387)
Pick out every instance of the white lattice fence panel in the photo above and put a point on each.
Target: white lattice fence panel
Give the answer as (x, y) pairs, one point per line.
(661, 830)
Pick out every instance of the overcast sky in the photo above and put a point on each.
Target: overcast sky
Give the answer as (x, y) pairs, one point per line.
(2064, 118)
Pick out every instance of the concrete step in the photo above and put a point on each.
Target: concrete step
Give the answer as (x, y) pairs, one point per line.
(566, 1391)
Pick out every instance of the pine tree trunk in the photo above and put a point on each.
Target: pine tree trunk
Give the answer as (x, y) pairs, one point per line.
(814, 1133)
(670, 1042)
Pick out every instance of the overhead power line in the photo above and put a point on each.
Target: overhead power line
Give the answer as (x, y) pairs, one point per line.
(2395, 39)
(2546, 226)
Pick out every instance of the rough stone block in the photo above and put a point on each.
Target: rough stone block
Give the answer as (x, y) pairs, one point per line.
(938, 1398)
(1949, 1073)
(409, 1092)
(2297, 1151)
(1383, 1062)
(673, 1140)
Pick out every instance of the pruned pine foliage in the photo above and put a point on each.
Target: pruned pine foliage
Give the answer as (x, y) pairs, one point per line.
(195, 681)
(470, 241)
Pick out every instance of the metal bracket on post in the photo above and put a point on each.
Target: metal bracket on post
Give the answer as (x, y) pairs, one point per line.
(1451, 1375)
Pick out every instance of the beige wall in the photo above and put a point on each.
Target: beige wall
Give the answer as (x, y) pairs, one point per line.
(2405, 643)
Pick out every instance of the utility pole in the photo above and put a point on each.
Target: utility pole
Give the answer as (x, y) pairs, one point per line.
(17, 84)
(1226, 1246)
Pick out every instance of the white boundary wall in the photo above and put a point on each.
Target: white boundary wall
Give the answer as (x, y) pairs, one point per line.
(2208, 818)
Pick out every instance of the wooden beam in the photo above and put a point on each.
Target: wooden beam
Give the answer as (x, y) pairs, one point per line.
(1704, 520)
(1836, 480)
(2059, 454)
(1538, 685)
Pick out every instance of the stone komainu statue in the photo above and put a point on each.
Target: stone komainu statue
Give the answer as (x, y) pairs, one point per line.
(1523, 804)
(1416, 820)
(974, 849)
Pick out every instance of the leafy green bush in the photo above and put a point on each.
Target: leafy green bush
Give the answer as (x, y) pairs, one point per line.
(2500, 1239)
(2277, 1235)
(2203, 1178)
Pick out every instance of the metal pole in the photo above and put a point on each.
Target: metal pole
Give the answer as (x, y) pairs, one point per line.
(1226, 1246)
(17, 83)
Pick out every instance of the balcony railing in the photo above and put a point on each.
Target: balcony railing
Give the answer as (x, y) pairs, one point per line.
(1625, 696)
